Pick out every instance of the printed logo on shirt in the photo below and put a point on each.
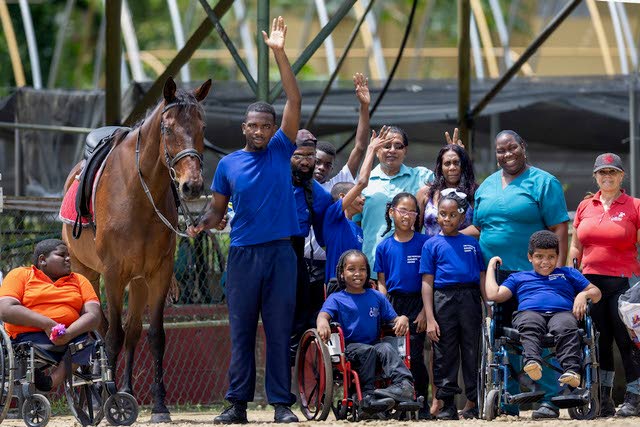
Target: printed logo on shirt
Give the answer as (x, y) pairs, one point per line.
(413, 259)
(618, 217)
(469, 248)
(360, 239)
(374, 311)
(557, 276)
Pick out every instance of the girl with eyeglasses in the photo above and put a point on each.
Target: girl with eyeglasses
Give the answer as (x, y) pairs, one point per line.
(397, 262)
(453, 274)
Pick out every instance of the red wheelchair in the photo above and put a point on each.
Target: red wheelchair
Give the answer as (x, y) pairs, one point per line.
(325, 380)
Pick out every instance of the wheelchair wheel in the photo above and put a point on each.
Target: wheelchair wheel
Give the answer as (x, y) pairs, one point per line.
(484, 374)
(313, 375)
(492, 405)
(85, 400)
(7, 371)
(121, 409)
(587, 412)
(36, 410)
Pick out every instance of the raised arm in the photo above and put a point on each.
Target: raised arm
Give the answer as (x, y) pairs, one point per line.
(362, 134)
(492, 291)
(377, 141)
(291, 114)
(213, 216)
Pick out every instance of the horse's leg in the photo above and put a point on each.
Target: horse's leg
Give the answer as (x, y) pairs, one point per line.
(133, 329)
(158, 288)
(114, 338)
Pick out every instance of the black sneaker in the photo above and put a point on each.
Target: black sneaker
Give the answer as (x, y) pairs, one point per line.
(424, 414)
(631, 405)
(234, 414)
(402, 392)
(470, 413)
(545, 411)
(283, 414)
(607, 407)
(448, 412)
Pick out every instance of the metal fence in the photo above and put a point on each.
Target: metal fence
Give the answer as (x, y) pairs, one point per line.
(196, 322)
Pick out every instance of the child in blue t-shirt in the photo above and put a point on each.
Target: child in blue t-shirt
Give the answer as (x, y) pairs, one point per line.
(340, 232)
(361, 311)
(398, 267)
(550, 300)
(452, 279)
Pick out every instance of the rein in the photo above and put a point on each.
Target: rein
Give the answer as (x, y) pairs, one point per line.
(171, 162)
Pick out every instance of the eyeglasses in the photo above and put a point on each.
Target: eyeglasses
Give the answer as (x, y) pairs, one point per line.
(311, 157)
(448, 191)
(608, 171)
(404, 212)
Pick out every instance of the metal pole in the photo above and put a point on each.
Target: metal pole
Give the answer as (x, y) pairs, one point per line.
(344, 9)
(52, 128)
(464, 71)
(263, 51)
(113, 9)
(178, 35)
(60, 36)
(544, 35)
(178, 61)
(32, 45)
(325, 92)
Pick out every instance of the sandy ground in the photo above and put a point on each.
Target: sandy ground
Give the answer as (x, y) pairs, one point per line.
(265, 417)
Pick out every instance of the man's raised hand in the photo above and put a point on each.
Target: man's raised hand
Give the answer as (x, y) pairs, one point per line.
(362, 88)
(278, 34)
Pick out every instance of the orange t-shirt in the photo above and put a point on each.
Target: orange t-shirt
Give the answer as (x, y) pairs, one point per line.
(61, 301)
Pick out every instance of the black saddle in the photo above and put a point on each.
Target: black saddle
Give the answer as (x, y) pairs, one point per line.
(97, 146)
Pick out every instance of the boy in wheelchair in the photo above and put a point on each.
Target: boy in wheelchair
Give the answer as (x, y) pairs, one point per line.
(33, 300)
(361, 311)
(550, 300)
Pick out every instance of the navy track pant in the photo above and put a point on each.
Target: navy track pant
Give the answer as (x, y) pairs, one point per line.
(261, 280)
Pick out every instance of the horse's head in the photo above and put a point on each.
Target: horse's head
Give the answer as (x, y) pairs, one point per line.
(182, 128)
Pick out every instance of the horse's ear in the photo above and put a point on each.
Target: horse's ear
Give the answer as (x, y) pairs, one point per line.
(169, 90)
(202, 92)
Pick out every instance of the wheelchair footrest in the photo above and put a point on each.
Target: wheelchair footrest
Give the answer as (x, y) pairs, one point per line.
(408, 406)
(528, 397)
(579, 397)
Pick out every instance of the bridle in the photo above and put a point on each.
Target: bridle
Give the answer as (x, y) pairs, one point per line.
(170, 161)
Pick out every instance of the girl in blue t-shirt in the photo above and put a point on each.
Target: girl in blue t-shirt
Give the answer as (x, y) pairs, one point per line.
(397, 263)
(453, 275)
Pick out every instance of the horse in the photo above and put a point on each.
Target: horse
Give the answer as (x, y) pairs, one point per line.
(133, 242)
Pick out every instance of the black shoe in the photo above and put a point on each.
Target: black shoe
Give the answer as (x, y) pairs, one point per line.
(283, 414)
(234, 414)
(402, 392)
(545, 411)
(424, 414)
(631, 405)
(607, 407)
(448, 412)
(42, 381)
(471, 413)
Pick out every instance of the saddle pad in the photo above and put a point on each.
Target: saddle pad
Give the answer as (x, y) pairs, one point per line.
(68, 208)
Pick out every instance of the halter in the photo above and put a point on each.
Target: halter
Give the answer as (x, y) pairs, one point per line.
(170, 162)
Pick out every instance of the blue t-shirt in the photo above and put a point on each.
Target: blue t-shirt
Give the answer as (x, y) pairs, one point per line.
(341, 234)
(259, 186)
(400, 263)
(452, 260)
(321, 201)
(360, 315)
(508, 217)
(546, 294)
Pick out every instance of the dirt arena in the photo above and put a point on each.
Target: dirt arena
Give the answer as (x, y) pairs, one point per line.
(265, 417)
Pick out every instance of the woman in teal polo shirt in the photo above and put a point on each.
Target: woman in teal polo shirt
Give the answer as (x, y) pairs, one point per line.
(387, 179)
(512, 204)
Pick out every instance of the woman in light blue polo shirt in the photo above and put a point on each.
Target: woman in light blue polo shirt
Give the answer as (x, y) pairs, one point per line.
(387, 179)
(512, 204)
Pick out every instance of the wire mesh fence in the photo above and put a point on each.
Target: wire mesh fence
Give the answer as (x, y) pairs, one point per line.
(198, 347)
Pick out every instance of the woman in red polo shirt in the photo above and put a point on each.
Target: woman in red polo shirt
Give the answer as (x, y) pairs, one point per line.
(607, 227)
(33, 300)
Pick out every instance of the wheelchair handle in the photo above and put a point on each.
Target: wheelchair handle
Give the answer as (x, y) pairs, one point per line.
(575, 263)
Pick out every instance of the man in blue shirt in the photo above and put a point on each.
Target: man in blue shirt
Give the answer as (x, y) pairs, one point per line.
(261, 266)
(550, 299)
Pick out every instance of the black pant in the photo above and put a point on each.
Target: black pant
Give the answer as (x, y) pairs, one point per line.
(366, 358)
(458, 311)
(607, 321)
(309, 298)
(564, 328)
(410, 305)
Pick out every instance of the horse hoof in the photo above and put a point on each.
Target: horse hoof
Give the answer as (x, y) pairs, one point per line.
(161, 417)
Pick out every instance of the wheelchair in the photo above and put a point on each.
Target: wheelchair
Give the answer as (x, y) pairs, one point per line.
(496, 373)
(89, 390)
(325, 381)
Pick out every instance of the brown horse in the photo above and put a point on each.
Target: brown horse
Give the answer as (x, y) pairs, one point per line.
(132, 245)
